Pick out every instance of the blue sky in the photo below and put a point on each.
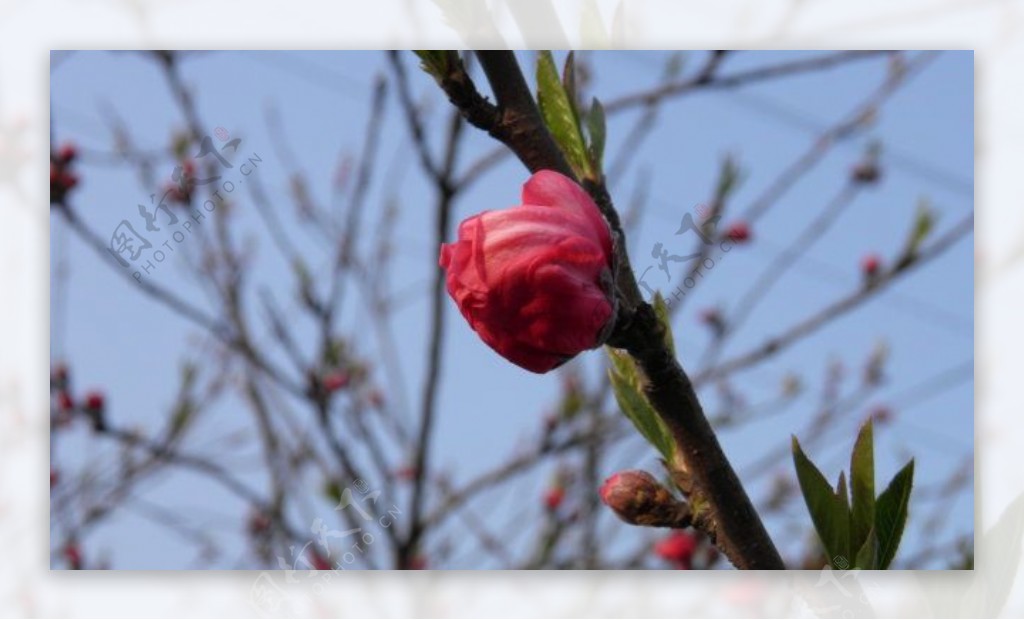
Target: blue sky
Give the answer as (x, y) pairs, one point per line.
(116, 338)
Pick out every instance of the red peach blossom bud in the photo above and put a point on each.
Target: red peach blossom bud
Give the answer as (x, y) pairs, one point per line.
(73, 555)
(637, 498)
(54, 477)
(64, 402)
(870, 265)
(678, 548)
(534, 281)
(61, 181)
(94, 401)
(738, 232)
(554, 497)
(94, 407)
(67, 153)
(335, 381)
(318, 561)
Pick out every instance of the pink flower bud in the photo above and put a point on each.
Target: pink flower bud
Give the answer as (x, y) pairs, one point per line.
(554, 497)
(64, 402)
(335, 381)
(94, 408)
(738, 232)
(535, 280)
(318, 561)
(67, 153)
(94, 401)
(870, 265)
(637, 498)
(678, 548)
(73, 555)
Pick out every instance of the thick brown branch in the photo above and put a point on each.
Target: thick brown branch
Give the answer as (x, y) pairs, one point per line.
(516, 122)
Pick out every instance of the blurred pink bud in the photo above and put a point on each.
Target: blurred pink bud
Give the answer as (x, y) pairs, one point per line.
(678, 548)
(637, 498)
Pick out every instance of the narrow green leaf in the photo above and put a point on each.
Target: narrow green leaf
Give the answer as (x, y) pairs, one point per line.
(661, 311)
(625, 379)
(180, 419)
(841, 493)
(560, 116)
(596, 130)
(862, 485)
(569, 84)
(924, 222)
(891, 514)
(829, 513)
(867, 556)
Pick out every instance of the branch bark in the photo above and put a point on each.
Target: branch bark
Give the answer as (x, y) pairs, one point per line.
(733, 523)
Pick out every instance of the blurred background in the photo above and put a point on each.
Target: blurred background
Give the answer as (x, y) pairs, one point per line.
(257, 398)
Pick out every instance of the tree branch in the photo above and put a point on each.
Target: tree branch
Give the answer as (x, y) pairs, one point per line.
(516, 121)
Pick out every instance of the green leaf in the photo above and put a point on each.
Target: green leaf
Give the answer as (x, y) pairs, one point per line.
(625, 380)
(559, 114)
(924, 222)
(891, 514)
(180, 419)
(829, 513)
(730, 175)
(597, 132)
(661, 311)
(862, 485)
(569, 84)
(841, 492)
(867, 556)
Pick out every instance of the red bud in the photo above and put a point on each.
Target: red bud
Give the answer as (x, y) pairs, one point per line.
(870, 265)
(677, 548)
(67, 153)
(738, 232)
(94, 401)
(554, 498)
(637, 498)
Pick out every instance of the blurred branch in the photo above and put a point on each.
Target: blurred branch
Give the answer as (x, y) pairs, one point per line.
(711, 81)
(838, 308)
